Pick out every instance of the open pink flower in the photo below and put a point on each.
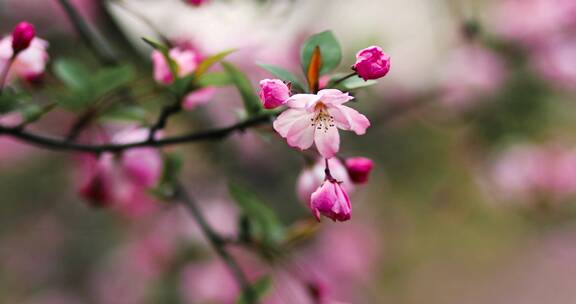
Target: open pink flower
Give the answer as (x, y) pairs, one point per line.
(29, 64)
(316, 118)
(332, 201)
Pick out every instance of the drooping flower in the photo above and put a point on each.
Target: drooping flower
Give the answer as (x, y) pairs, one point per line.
(316, 118)
(187, 61)
(29, 64)
(359, 169)
(312, 177)
(332, 201)
(372, 63)
(22, 36)
(273, 93)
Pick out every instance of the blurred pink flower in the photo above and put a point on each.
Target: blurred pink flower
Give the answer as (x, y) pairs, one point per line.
(22, 36)
(332, 201)
(471, 72)
(372, 63)
(315, 118)
(555, 61)
(273, 93)
(359, 169)
(11, 149)
(529, 172)
(196, 2)
(186, 60)
(122, 182)
(29, 64)
(209, 282)
(198, 97)
(312, 177)
(533, 21)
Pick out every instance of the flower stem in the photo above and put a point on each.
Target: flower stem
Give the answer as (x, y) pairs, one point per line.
(4, 72)
(341, 79)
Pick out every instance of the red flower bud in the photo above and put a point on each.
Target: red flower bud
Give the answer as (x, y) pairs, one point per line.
(22, 36)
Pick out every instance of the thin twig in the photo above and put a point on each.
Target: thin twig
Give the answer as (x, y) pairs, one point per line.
(162, 120)
(217, 242)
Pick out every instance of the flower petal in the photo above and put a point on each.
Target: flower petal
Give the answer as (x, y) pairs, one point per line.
(301, 101)
(327, 141)
(349, 119)
(334, 97)
(301, 134)
(284, 122)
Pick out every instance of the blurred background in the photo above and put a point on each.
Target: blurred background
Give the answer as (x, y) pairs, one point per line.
(472, 195)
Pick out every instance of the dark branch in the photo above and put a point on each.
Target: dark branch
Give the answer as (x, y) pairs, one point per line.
(64, 145)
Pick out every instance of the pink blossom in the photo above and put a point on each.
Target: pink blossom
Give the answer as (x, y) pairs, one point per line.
(359, 169)
(186, 60)
(273, 93)
(209, 282)
(98, 179)
(22, 36)
(312, 177)
(29, 64)
(372, 63)
(122, 181)
(315, 118)
(332, 201)
(471, 72)
(533, 21)
(527, 172)
(198, 97)
(555, 61)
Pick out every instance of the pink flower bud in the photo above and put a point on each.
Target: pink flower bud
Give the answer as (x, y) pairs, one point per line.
(186, 60)
(273, 93)
(312, 177)
(372, 63)
(196, 2)
(98, 180)
(22, 36)
(332, 201)
(359, 169)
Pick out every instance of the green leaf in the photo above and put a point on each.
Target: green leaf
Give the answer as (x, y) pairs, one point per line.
(263, 221)
(207, 63)
(215, 79)
(125, 113)
(172, 167)
(252, 102)
(10, 100)
(356, 82)
(110, 79)
(72, 73)
(284, 75)
(329, 49)
(172, 65)
(259, 289)
(32, 113)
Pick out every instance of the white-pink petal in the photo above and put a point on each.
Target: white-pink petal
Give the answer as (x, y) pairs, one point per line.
(334, 97)
(302, 101)
(347, 118)
(327, 141)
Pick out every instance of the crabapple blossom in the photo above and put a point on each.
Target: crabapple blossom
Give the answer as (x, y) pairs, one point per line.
(186, 60)
(372, 63)
(359, 169)
(22, 36)
(273, 93)
(313, 176)
(316, 118)
(29, 64)
(332, 201)
(460, 87)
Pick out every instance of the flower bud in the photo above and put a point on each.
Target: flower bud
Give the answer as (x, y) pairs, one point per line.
(186, 60)
(196, 2)
(359, 169)
(98, 180)
(22, 36)
(332, 201)
(273, 93)
(372, 63)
